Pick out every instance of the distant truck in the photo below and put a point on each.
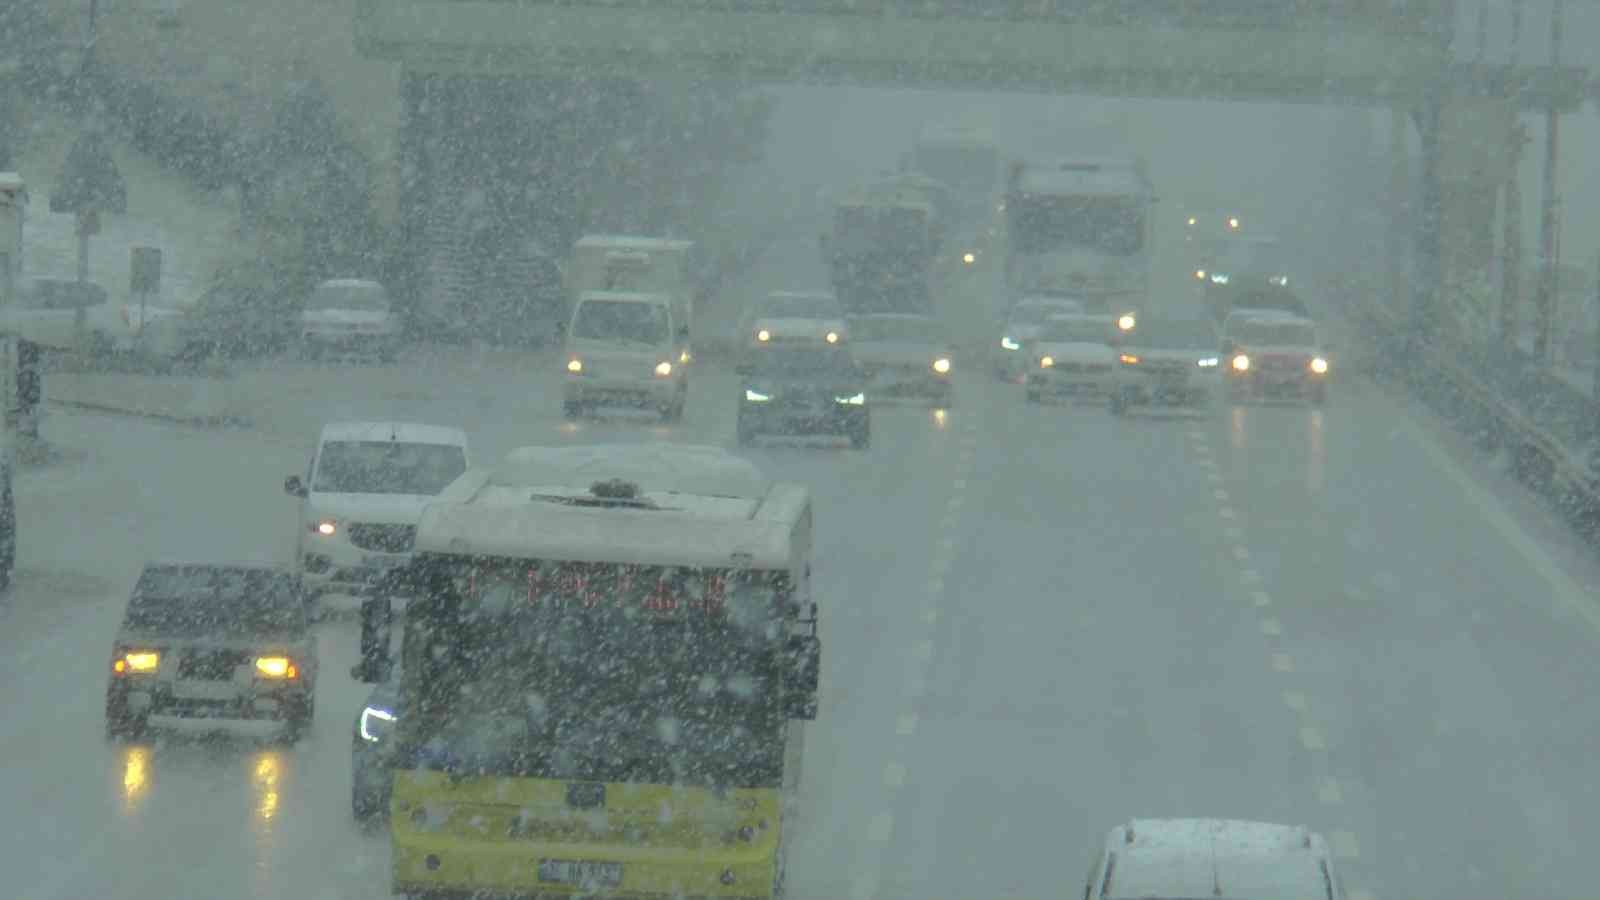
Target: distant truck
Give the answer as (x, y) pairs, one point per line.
(882, 244)
(635, 265)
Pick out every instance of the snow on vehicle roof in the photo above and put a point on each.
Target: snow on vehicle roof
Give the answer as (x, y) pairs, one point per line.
(656, 467)
(407, 432)
(1216, 857)
(1266, 314)
(12, 181)
(631, 242)
(625, 297)
(803, 295)
(350, 283)
(1107, 176)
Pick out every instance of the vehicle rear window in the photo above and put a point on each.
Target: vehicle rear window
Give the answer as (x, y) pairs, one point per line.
(802, 308)
(190, 601)
(800, 362)
(1083, 331)
(1279, 334)
(366, 297)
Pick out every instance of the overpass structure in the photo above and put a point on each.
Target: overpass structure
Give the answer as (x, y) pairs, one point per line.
(1395, 54)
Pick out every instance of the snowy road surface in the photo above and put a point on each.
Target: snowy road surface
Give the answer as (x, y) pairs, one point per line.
(1038, 622)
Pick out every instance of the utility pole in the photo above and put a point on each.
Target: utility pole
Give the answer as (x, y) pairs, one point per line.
(1546, 294)
(1595, 390)
(1511, 246)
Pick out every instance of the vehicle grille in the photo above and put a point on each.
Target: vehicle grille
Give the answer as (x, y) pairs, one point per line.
(383, 538)
(1079, 368)
(1282, 363)
(212, 665)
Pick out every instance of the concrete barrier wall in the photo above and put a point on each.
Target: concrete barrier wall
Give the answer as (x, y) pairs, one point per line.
(179, 399)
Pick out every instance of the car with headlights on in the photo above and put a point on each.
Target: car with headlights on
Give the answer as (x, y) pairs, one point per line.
(1275, 356)
(1071, 356)
(904, 355)
(804, 390)
(362, 497)
(1166, 362)
(207, 647)
(796, 317)
(372, 751)
(1022, 326)
(349, 315)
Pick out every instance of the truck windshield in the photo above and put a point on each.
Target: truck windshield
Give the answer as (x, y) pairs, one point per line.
(387, 467)
(1045, 223)
(1275, 334)
(596, 672)
(862, 230)
(631, 321)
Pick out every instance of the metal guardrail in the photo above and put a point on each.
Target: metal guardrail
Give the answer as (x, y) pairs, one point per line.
(1546, 425)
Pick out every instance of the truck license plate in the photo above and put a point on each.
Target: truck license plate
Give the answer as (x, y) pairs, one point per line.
(580, 872)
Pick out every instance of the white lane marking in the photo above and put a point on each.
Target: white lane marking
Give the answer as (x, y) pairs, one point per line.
(1241, 554)
(1312, 739)
(1567, 592)
(1250, 575)
(947, 544)
(931, 616)
(1282, 662)
(936, 585)
(881, 827)
(1232, 533)
(1226, 512)
(1220, 494)
(1295, 701)
(1344, 844)
(923, 651)
(1261, 598)
(894, 775)
(1271, 627)
(1329, 793)
(916, 685)
(906, 725)
(960, 484)
(865, 886)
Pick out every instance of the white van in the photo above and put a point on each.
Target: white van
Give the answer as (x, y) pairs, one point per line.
(1214, 858)
(626, 349)
(362, 496)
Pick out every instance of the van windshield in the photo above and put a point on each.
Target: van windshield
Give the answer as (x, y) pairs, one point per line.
(387, 467)
(631, 321)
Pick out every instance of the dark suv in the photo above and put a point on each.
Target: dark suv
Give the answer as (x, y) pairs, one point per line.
(804, 390)
(206, 648)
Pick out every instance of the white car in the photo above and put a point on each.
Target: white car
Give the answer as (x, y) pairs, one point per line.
(349, 315)
(797, 317)
(1071, 355)
(362, 496)
(1170, 362)
(1275, 356)
(1213, 858)
(1022, 327)
(629, 349)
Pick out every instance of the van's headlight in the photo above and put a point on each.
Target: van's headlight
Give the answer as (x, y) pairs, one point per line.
(325, 527)
(763, 335)
(756, 396)
(1008, 343)
(375, 724)
(1319, 365)
(831, 337)
(1209, 362)
(853, 400)
(276, 667)
(663, 368)
(575, 366)
(1127, 321)
(942, 365)
(137, 661)
(1241, 363)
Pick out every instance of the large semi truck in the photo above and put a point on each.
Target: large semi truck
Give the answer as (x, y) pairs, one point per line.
(882, 244)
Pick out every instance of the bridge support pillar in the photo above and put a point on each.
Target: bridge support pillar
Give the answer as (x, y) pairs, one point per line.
(1473, 165)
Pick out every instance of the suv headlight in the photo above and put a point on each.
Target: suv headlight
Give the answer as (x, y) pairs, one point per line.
(756, 396)
(853, 400)
(663, 368)
(1319, 365)
(375, 724)
(1241, 363)
(942, 365)
(1009, 344)
(276, 667)
(137, 661)
(1209, 362)
(325, 527)
(575, 366)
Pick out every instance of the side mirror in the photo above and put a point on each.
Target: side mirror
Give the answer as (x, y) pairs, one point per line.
(294, 487)
(803, 670)
(375, 663)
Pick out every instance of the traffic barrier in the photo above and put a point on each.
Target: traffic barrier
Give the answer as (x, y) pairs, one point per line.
(188, 399)
(1538, 457)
